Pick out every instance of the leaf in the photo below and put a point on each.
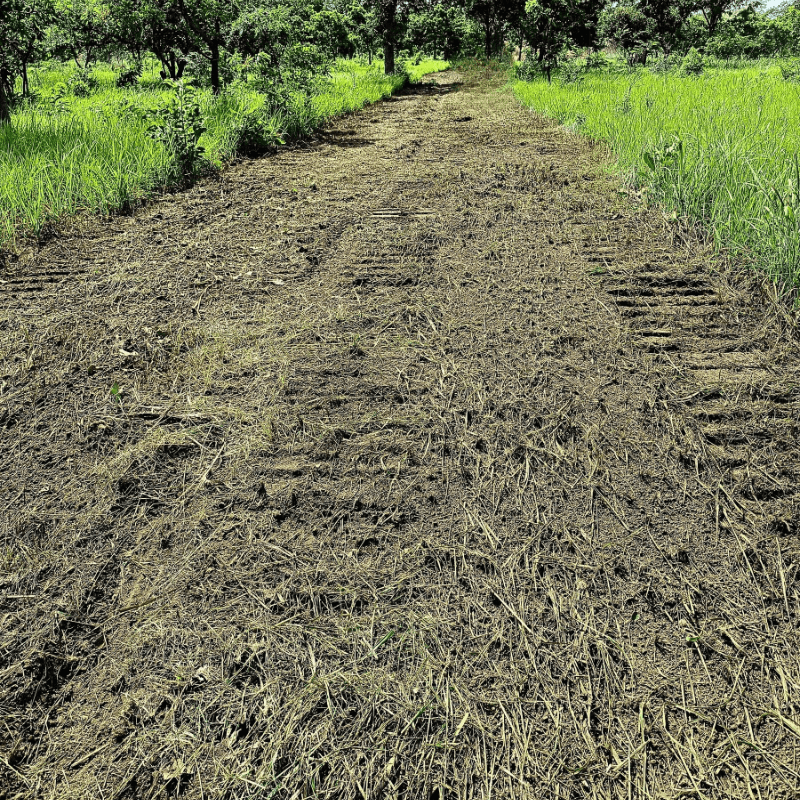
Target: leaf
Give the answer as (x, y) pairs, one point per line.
(650, 161)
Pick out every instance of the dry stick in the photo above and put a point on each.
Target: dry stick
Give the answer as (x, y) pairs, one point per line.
(512, 612)
(89, 756)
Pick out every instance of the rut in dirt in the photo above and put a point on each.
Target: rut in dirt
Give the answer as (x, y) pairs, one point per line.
(415, 462)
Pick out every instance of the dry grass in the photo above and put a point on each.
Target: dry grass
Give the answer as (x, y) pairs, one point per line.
(417, 482)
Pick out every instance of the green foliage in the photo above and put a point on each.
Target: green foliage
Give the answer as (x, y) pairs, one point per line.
(179, 126)
(546, 25)
(129, 76)
(693, 63)
(596, 60)
(255, 132)
(662, 64)
(528, 69)
(438, 29)
(790, 71)
(626, 26)
(81, 83)
(572, 71)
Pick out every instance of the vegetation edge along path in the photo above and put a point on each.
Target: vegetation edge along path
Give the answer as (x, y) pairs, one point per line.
(99, 153)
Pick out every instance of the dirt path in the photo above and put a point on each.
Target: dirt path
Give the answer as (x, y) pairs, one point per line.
(418, 463)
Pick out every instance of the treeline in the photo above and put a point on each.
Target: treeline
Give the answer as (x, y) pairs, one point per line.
(288, 42)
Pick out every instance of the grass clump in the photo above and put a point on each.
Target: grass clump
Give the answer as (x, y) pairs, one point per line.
(713, 144)
(88, 144)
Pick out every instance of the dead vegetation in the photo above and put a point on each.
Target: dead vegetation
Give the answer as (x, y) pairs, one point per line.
(416, 463)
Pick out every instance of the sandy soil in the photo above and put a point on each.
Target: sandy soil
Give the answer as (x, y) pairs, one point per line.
(419, 461)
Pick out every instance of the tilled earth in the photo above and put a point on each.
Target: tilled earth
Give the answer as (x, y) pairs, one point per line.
(417, 462)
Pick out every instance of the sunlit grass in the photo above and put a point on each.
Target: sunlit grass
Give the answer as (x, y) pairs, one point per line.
(64, 156)
(724, 146)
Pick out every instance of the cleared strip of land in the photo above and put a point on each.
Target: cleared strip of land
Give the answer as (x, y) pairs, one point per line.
(418, 462)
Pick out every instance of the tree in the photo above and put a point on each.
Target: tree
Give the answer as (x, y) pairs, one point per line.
(389, 29)
(364, 28)
(583, 29)
(209, 23)
(23, 25)
(626, 26)
(437, 29)
(667, 18)
(292, 43)
(157, 26)
(714, 10)
(546, 28)
(495, 16)
(82, 30)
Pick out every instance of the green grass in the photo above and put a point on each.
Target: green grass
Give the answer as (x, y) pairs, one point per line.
(720, 148)
(66, 155)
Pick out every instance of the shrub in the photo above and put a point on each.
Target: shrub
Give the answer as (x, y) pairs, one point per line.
(256, 132)
(790, 70)
(129, 76)
(692, 63)
(571, 72)
(528, 69)
(81, 83)
(596, 60)
(662, 65)
(179, 127)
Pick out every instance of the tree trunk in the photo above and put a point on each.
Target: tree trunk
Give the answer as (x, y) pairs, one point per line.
(26, 89)
(215, 87)
(5, 108)
(388, 18)
(488, 45)
(388, 55)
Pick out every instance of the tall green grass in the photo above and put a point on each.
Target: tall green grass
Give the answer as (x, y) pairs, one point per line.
(721, 148)
(62, 156)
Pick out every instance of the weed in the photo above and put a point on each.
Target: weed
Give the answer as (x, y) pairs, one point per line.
(693, 63)
(179, 127)
(129, 76)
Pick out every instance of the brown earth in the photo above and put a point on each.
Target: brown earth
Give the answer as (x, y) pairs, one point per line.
(421, 462)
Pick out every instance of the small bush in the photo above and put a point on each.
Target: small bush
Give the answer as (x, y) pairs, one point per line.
(129, 76)
(693, 63)
(81, 84)
(528, 70)
(596, 60)
(662, 65)
(790, 70)
(179, 127)
(256, 133)
(572, 71)
(401, 70)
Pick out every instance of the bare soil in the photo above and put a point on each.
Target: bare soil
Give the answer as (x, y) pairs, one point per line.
(420, 461)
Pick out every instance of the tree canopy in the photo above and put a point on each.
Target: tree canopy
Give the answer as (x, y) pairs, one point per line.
(294, 41)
